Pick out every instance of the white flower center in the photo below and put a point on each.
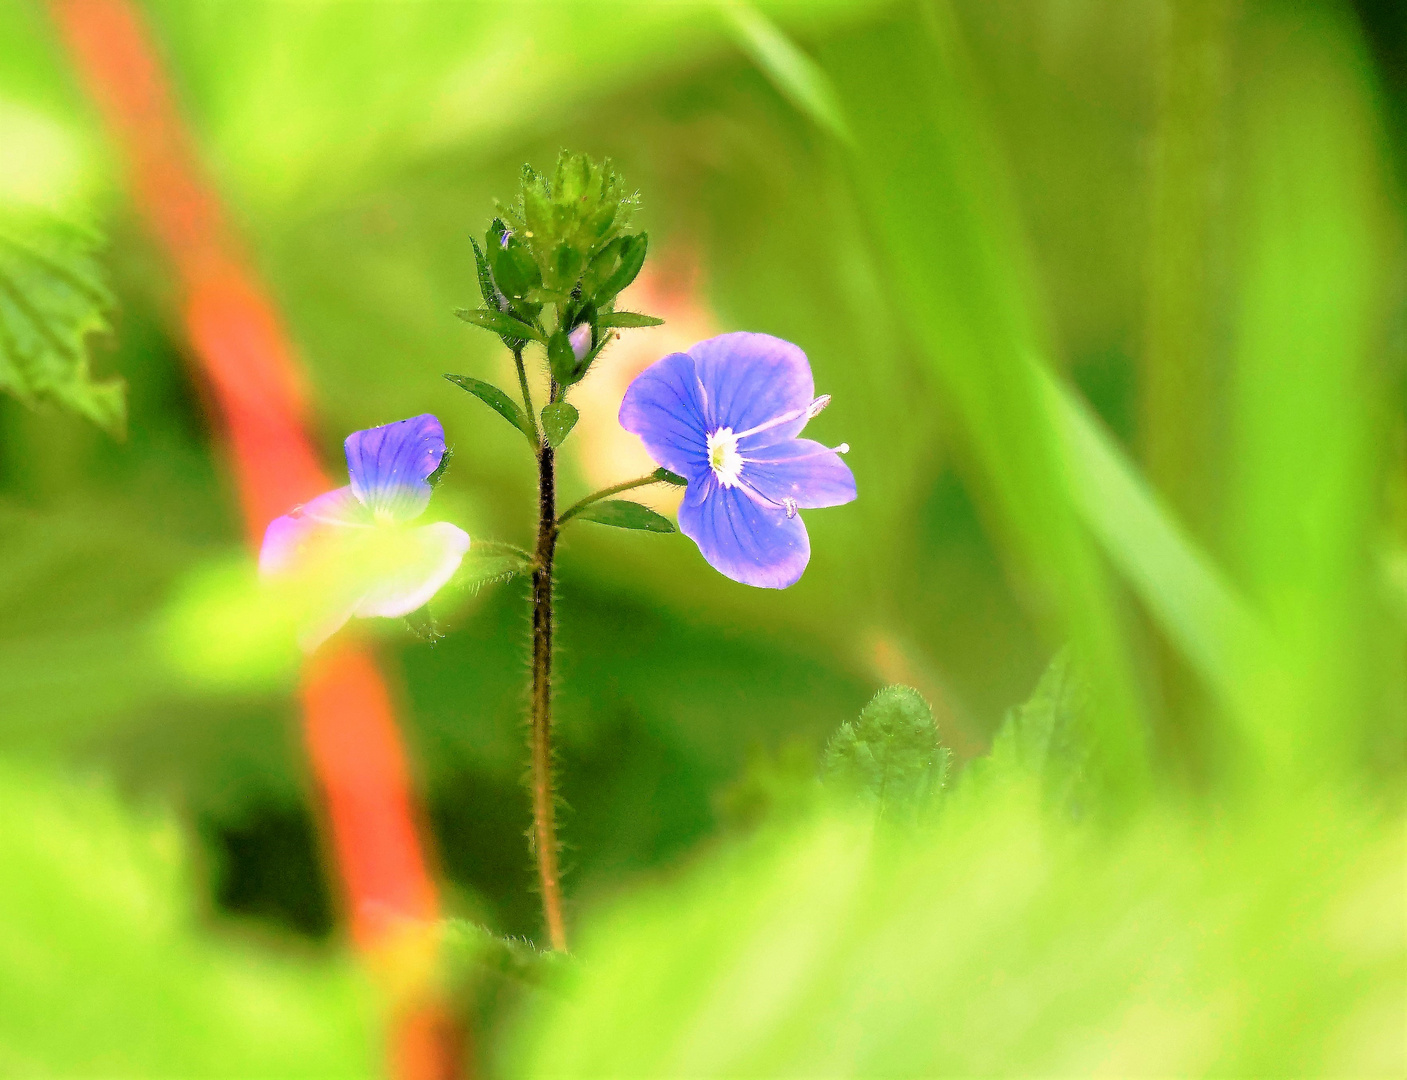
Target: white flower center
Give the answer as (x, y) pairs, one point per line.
(723, 456)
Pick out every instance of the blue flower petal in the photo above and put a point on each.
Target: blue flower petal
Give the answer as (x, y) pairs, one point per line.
(388, 465)
(432, 555)
(803, 470)
(287, 537)
(742, 537)
(664, 407)
(751, 380)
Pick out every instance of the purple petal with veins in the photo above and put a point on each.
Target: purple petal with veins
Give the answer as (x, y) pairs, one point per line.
(725, 416)
(811, 475)
(389, 465)
(665, 408)
(345, 553)
(744, 538)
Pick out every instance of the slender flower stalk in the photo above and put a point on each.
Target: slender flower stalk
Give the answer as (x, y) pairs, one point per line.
(605, 493)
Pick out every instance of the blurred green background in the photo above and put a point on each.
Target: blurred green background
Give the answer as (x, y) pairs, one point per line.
(1189, 214)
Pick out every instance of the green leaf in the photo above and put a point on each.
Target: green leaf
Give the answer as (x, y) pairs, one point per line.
(627, 320)
(558, 419)
(603, 264)
(487, 289)
(891, 753)
(495, 399)
(624, 514)
(1046, 738)
(486, 563)
(515, 270)
(670, 478)
(632, 258)
(52, 296)
(501, 324)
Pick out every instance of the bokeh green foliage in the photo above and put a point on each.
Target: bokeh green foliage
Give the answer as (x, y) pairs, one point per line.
(1001, 939)
(948, 206)
(52, 297)
(108, 971)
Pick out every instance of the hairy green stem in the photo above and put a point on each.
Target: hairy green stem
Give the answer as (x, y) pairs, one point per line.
(544, 796)
(527, 394)
(614, 489)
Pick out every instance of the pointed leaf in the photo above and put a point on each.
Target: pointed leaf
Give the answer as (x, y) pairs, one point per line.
(485, 564)
(487, 289)
(632, 258)
(627, 319)
(1047, 739)
(52, 296)
(558, 419)
(624, 514)
(891, 753)
(495, 399)
(515, 270)
(501, 324)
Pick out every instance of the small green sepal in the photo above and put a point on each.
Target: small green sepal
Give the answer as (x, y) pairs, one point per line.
(515, 270)
(558, 419)
(665, 476)
(623, 514)
(566, 368)
(439, 474)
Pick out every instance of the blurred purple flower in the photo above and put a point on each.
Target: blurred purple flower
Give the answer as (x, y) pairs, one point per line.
(351, 541)
(725, 415)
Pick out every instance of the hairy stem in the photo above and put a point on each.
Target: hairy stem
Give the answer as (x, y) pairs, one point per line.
(544, 796)
(597, 496)
(527, 394)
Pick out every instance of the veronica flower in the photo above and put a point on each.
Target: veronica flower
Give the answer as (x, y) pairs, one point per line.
(726, 415)
(350, 552)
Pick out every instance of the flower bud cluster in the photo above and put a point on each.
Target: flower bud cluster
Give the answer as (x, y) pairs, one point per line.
(565, 242)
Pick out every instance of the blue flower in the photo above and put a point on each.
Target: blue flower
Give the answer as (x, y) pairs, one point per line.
(726, 415)
(349, 549)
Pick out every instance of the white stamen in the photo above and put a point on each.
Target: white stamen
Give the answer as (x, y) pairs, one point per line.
(843, 448)
(723, 456)
(790, 505)
(796, 414)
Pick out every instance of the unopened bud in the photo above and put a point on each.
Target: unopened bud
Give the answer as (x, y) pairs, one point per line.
(580, 340)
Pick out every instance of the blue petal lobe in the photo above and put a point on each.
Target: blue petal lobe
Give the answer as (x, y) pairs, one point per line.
(388, 465)
(743, 538)
(803, 470)
(431, 555)
(287, 538)
(664, 407)
(752, 379)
